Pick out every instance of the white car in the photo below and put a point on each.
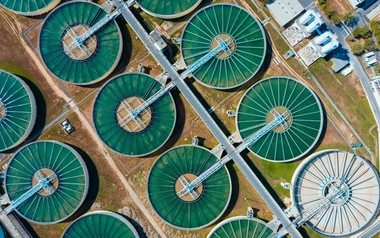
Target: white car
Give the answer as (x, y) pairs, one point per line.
(67, 126)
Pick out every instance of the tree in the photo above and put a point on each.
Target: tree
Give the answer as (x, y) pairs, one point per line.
(349, 18)
(377, 68)
(335, 18)
(356, 32)
(361, 32)
(369, 45)
(357, 48)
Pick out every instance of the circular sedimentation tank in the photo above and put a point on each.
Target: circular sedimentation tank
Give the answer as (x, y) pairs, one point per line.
(280, 95)
(242, 31)
(85, 63)
(114, 124)
(100, 224)
(29, 7)
(318, 179)
(168, 9)
(68, 188)
(17, 111)
(241, 227)
(188, 212)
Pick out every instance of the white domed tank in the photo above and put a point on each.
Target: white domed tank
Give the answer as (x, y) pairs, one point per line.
(336, 192)
(314, 25)
(320, 40)
(330, 47)
(307, 17)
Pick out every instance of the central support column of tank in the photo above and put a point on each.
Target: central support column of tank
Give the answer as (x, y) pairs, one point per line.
(279, 120)
(336, 193)
(223, 45)
(43, 177)
(80, 43)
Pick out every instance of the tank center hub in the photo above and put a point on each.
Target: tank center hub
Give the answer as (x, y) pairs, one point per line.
(125, 115)
(229, 40)
(181, 182)
(276, 112)
(74, 46)
(3, 110)
(337, 192)
(52, 185)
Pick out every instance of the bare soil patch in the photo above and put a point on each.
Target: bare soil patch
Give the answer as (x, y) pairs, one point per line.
(340, 6)
(14, 59)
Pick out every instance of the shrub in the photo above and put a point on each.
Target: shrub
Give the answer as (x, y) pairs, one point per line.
(357, 48)
(349, 18)
(369, 45)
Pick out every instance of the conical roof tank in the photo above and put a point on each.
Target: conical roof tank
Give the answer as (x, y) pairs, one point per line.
(343, 185)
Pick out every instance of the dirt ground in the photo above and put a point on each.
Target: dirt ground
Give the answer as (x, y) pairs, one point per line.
(105, 187)
(14, 59)
(340, 6)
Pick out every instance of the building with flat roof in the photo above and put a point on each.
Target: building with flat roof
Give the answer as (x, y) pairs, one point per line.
(158, 42)
(356, 3)
(284, 10)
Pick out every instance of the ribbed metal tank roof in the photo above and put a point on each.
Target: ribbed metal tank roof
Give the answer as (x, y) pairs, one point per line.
(282, 94)
(241, 227)
(186, 212)
(168, 9)
(137, 137)
(82, 66)
(100, 224)
(324, 173)
(248, 47)
(69, 188)
(17, 110)
(29, 7)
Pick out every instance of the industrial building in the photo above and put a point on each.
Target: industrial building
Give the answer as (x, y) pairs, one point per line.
(336, 192)
(318, 47)
(100, 224)
(268, 98)
(29, 7)
(170, 174)
(284, 11)
(17, 111)
(168, 9)
(240, 227)
(45, 182)
(121, 127)
(74, 54)
(303, 27)
(242, 32)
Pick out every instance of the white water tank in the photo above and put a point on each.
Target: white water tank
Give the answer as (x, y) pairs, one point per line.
(326, 36)
(314, 25)
(307, 17)
(330, 47)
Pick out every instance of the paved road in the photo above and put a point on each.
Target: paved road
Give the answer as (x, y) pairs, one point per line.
(207, 119)
(341, 33)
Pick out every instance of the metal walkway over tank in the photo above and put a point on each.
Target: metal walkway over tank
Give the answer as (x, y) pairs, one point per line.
(207, 119)
(43, 183)
(279, 120)
(79, 41)
(223, 45)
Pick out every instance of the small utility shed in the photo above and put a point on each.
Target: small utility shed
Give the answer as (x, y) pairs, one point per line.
(284, 10)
